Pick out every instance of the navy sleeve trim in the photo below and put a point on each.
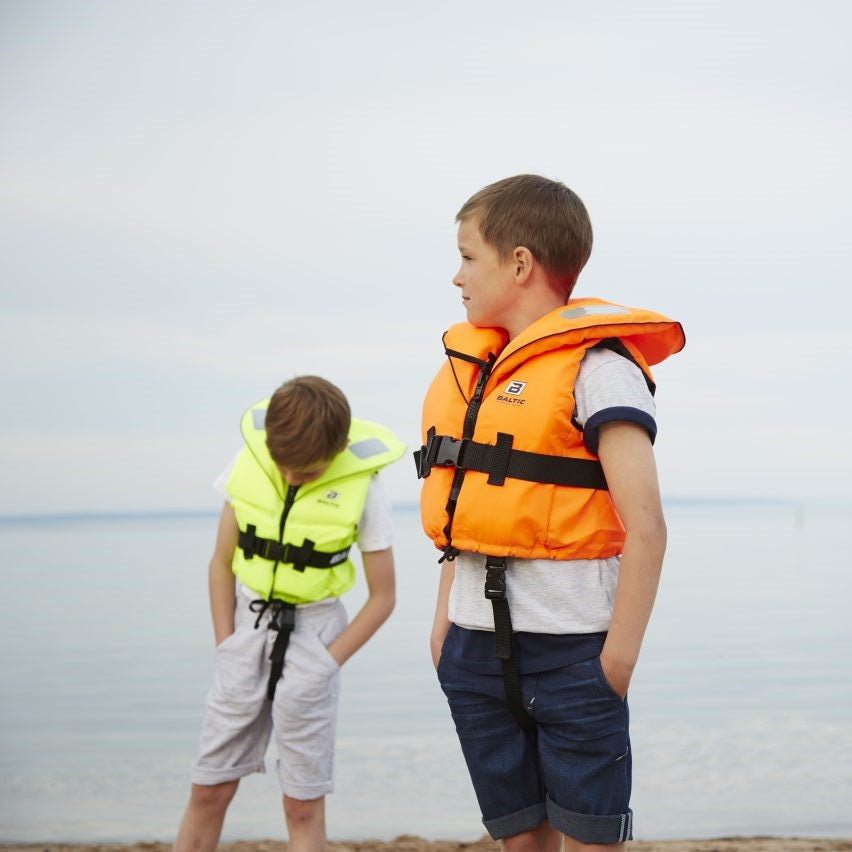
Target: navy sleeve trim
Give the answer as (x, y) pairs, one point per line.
(591, 435)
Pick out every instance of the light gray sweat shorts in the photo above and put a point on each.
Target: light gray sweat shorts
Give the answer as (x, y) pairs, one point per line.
(239, 719)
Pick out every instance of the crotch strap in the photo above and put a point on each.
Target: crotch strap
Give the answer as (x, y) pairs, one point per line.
(283, 620)
(495, 591)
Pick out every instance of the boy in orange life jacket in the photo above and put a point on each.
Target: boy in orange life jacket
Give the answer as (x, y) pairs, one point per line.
(300, 493)
(540, 488)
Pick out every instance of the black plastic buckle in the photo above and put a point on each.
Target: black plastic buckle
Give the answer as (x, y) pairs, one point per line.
(424, 458)
(450, 451)
(284, 618)
(495, 578)
(420, 462)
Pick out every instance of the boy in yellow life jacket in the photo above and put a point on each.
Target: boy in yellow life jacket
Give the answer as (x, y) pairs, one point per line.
(300, 494)
(540, 490)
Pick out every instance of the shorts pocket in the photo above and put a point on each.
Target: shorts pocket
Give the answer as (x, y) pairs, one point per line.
(602, 678)
(325, 655)
(227, 640)
(236, 659)
(441, 659)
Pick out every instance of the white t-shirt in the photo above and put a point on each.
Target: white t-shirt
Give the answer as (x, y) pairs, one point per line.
(561, 596)
(375, 528)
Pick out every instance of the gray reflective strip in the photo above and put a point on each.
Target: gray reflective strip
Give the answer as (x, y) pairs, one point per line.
(592, 310)
(367, 448)
(258, 416)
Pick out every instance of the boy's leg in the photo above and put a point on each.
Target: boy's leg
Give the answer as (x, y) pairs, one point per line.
(304, 715)
(572, 845)
(584, 749)
(571, 778)
(502, 760)
(234, 732)
(305, 824)
(202, 820)
(543, 838)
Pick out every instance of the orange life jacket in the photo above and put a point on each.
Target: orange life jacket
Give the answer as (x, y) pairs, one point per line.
(505, 470)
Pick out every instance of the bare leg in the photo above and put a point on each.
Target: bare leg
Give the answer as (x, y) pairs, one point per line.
(572, 845)
(305, 824)
(542, 838)
(202, 820)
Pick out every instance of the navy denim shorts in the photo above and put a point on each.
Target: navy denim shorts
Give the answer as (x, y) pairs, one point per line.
(574, 771)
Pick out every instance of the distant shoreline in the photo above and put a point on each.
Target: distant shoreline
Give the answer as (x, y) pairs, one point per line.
(154, 515)
(141, 516)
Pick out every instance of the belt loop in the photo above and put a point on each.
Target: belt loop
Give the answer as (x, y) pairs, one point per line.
(500, 459)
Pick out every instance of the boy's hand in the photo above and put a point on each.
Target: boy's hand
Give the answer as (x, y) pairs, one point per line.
(617, 676)
(381, 596)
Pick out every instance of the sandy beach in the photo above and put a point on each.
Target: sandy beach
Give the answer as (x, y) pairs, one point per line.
(406, 843)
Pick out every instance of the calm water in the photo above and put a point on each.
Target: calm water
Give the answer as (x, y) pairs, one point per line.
(740, 707)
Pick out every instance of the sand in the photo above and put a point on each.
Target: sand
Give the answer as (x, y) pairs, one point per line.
(407, 843)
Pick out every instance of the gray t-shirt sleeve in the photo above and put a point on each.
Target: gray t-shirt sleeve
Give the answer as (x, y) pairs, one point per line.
(610, 387)
(220, 483)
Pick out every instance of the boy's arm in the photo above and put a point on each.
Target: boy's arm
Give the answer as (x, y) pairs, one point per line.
(381, 597)
(628, 461)
(221, 576)
(441, 622)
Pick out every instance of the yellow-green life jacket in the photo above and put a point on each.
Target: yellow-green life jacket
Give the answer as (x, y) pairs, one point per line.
(288, 532)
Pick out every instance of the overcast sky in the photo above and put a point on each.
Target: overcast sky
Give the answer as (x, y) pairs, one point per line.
(200, 200)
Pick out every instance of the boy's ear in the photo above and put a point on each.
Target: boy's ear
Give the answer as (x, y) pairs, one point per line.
(523, 261)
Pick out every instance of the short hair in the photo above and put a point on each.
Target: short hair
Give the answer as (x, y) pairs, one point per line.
(541, 214)
(307, 422)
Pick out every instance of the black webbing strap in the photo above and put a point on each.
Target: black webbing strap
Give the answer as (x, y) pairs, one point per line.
(301, 556)
(495, 591)
(283, 620)
(500, 461)
(483, 364)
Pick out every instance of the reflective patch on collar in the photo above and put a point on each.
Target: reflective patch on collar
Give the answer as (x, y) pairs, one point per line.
(593, 310)
(258, 417)
(369, 447)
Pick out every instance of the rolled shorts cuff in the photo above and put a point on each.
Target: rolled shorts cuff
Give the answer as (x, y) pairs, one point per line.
(306, 792)
(591, 828)
(512, 824)
(207, 777)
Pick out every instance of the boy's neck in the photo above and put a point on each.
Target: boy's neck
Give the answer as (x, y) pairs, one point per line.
(534, 304)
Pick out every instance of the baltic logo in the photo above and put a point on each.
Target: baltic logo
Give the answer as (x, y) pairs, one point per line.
(512, 392)
(330, 498)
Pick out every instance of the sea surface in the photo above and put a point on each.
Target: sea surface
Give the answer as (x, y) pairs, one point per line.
(741, 705)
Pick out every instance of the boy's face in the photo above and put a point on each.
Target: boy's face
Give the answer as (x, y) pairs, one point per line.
(302, 475)
(487, 284)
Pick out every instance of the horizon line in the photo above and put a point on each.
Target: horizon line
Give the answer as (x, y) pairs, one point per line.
(171, 514)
